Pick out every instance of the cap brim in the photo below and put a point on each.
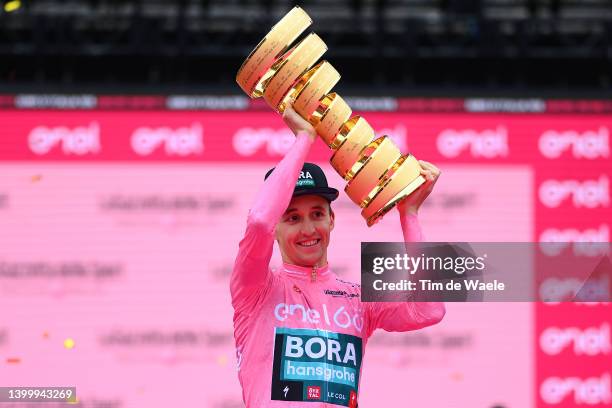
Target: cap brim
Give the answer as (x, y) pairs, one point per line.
(330, 194)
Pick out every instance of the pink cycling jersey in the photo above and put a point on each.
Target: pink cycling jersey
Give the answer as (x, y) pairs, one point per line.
(301, 332)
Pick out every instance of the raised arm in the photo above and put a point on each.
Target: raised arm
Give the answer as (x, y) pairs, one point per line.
(251, 270)
(409, 207)
(406, 316)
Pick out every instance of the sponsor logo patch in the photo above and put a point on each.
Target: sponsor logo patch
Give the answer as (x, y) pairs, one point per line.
(312, 364)
(314, 392)
(340, 293)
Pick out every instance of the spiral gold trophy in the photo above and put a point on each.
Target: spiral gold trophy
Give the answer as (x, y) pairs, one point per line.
(378, 175)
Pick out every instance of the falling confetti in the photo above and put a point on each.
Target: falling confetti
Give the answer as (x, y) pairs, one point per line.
(45, 335)
(12, 5)
(222, 360)
(35, 178)
(13, 360)
(69, 343)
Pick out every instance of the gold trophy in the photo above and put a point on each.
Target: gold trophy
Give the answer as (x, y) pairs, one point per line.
(378, 175)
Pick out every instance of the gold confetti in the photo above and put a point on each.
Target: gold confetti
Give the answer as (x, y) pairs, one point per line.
(13, 360)
(12, 6)
(45, 335)
(35, 178)
(222, 360)
(69, 343)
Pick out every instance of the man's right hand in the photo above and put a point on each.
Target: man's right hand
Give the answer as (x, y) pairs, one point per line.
(297, 123)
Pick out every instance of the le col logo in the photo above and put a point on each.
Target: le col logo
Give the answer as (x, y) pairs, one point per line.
(590, 341)
(79, 140)
(488, 143)
(248, 141)
(182, 141)
(340, 318)
(588, 391)
(588, 145)
(589, 193)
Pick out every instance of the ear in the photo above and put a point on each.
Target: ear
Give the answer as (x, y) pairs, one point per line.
(332, 218)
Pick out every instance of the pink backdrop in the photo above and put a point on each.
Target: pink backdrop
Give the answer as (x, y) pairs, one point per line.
(118, 232)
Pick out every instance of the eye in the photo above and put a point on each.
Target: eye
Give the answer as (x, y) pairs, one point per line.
(293, 218)
(319, 214)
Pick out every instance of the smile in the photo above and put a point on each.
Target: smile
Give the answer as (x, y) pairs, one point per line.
(309, 243)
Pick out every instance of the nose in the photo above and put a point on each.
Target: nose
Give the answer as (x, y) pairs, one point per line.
(308, 228)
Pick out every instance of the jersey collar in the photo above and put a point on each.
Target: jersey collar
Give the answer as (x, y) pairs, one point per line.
(305, 272)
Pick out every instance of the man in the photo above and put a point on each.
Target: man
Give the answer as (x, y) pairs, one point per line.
(301, 332)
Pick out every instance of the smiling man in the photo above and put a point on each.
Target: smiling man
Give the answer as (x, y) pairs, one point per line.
(301, 332)
(304, 229)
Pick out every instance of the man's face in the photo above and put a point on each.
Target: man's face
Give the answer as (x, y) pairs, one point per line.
(303, 231)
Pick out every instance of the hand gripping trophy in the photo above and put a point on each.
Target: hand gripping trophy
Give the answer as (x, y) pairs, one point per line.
(378, 175)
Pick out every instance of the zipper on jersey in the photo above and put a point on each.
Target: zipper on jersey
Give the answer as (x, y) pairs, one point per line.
(313, 274)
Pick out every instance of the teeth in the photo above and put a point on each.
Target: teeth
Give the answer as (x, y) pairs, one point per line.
(309, 243)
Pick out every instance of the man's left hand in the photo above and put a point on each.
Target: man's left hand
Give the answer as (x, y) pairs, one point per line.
(412, 203)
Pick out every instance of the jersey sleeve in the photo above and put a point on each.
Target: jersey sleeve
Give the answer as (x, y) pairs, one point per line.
(251, 268)
(411, 228)
(403, 316)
